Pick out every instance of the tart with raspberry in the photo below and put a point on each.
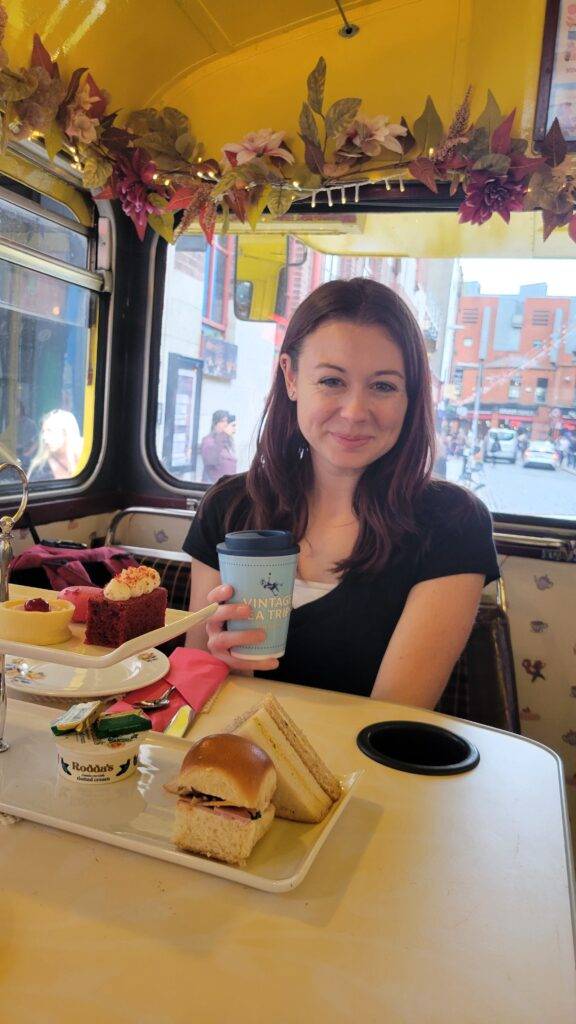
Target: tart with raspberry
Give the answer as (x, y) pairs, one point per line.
(36, 621)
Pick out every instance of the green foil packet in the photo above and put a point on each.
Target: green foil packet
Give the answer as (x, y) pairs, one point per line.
(120, 723)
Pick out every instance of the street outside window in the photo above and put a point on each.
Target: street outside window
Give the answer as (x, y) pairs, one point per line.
(501, 338)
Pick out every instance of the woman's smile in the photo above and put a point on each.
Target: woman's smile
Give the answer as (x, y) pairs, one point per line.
(351, 442)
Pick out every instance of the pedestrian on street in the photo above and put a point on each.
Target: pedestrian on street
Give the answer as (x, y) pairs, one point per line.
(217, 448)
(563, 447)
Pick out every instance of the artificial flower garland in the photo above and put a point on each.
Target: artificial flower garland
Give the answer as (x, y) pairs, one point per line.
(156, 168)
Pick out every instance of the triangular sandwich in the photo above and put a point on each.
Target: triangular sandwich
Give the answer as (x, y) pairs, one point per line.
(306, 787)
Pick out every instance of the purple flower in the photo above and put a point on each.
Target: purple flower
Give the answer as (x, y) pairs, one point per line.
(488, 193)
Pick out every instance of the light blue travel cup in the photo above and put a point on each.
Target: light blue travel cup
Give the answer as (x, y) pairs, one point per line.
(261, 566)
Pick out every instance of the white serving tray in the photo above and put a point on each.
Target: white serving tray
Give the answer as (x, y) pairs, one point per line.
(80, 655)
(137, 813)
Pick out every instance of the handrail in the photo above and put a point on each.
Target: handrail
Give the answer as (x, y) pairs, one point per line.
(23, 256)
(500, 537)
(178, 513)
(528, 541)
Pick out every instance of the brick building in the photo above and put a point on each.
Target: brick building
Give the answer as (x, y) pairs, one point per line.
(427, 286)
(520, 351)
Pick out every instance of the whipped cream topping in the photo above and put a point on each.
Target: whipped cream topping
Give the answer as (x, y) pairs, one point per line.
(132, 583)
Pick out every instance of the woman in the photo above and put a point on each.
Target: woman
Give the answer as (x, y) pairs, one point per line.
(217, 448)
(59, 447)
(391, 563)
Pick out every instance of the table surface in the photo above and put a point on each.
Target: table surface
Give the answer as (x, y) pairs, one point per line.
(434, 899)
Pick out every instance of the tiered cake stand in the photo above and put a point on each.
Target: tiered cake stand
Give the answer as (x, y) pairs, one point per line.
(75, 652)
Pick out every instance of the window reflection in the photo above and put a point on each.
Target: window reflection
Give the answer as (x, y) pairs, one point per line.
(44, 346)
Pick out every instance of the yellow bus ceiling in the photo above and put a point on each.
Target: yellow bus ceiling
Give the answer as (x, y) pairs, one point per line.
(236, 67)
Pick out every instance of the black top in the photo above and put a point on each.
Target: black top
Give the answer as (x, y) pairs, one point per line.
(337, 641)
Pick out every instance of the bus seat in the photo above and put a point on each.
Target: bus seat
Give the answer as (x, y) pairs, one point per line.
(174, 575)
(482, 686)
(133, 527)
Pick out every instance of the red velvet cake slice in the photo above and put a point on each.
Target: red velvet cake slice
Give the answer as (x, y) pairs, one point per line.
(131, 604)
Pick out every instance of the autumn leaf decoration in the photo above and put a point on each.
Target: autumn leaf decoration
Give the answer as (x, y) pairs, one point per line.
(153, 165)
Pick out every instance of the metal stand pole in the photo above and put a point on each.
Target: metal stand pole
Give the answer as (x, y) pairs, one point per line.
(7, 524)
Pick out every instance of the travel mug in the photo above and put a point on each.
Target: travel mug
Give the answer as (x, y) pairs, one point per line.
(261, 566)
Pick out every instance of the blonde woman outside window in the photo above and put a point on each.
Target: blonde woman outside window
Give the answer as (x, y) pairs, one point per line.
(59, 447)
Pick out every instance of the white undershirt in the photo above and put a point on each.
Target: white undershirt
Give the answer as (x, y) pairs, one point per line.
(309, 590)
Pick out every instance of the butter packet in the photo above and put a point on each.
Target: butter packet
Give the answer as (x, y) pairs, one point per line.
(78, 717)
(121, 723)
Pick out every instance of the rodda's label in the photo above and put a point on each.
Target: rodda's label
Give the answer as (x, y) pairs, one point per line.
(96, 763)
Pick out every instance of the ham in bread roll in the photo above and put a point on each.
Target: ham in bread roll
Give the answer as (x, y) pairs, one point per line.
(224, 787)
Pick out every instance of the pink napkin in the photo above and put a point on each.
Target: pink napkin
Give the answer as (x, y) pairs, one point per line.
(197, 675)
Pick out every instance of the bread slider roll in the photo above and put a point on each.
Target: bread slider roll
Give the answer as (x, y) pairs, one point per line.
(225, 786)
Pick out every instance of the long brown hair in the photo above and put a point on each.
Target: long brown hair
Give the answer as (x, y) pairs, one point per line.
(280, 479)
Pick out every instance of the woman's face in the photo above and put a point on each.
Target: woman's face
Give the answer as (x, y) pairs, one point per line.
(53, 436)
(350, 389)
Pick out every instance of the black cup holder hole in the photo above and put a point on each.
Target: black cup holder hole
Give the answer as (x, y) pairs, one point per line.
(418, 747)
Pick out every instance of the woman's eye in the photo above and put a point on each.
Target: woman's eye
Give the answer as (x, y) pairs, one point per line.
(330, 382)
(383, 385)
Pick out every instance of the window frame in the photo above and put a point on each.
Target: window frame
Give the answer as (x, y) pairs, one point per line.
(212, 252)
(415, 200)
(99, 286)
(541, 387)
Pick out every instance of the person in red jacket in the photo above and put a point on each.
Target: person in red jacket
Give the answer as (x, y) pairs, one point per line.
(217, 448)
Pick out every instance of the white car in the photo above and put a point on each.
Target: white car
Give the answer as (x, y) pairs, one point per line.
(501, 443)
(541, 455)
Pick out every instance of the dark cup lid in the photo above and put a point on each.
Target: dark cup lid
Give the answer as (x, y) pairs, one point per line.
(418, 747)
(259, 542)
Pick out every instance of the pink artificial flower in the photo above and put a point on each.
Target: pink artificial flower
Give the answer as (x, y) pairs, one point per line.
(84, 98)
(80, 126)
(372, 134)
(131, 182)
(257, 144)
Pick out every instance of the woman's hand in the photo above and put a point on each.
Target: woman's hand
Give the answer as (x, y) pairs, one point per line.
(221, 640)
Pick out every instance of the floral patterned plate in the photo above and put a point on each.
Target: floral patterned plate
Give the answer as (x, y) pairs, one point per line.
(46, 678)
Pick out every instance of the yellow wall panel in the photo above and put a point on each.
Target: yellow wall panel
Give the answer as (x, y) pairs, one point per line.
(440, 235)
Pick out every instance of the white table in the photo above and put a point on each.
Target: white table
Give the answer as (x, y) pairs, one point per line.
(435, 900)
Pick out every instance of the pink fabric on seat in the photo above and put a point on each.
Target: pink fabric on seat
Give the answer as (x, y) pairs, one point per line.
(66, 567)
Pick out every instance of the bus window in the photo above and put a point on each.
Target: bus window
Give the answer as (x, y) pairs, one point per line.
(47, 236)
(215, 369)
(47, 344)
(501, 338)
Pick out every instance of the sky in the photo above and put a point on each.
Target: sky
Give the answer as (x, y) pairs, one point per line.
(504, 277)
